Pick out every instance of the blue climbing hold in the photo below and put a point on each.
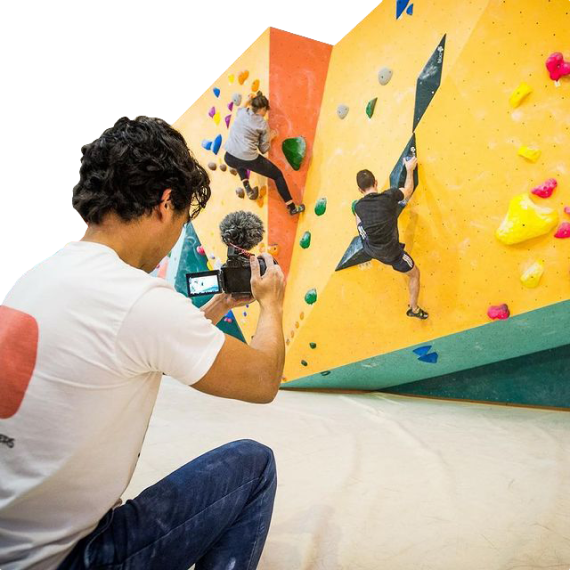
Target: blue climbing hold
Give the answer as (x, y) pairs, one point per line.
(422, 350)
(410, 10)
(216, 92)
(217, 144)
(431, 358)
(401, 5)
(207, 144)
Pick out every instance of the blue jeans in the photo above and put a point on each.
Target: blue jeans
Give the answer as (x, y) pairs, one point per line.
(213, 512)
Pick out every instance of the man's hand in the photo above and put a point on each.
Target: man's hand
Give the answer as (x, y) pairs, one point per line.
(410, 163)
(232, 301)
(268, 289)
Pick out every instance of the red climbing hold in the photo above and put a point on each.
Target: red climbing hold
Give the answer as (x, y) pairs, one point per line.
(563, 231)
(557, 67)
(200, 250)
(500, 312)
(545, 190)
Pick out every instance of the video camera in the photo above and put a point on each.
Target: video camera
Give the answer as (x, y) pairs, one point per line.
(240, 231)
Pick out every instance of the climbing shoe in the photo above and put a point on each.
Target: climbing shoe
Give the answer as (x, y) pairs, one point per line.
(419, 314)
(252, 193)
(294, 210)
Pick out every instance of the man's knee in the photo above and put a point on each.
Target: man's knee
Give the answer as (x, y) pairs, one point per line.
(255, 452)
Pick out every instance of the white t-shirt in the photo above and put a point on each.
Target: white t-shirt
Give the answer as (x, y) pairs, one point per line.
(84, 341)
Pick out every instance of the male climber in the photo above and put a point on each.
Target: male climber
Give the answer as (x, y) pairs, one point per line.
(377, 221)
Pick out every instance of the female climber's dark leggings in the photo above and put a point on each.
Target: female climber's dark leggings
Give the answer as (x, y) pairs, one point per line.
(261, 166)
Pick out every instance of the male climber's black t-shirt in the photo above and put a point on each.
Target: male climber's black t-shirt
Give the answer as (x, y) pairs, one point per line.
(378, 224)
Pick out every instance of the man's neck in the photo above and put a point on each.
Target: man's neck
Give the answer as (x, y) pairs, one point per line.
(369, 191)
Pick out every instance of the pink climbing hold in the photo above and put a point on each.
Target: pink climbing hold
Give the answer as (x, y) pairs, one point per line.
(498, 312)
(557, 67)
(567, 210)
(227, 119)
(563, 231)
(231, 105)
(212, 112)
(200, 250)
(545, 190)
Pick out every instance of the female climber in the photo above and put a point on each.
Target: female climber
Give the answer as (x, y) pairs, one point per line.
(249, 133)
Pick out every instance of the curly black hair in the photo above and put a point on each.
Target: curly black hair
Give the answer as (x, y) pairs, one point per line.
(129, 166)
(243, 229)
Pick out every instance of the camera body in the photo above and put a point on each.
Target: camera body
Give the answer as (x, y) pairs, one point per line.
(234, 277)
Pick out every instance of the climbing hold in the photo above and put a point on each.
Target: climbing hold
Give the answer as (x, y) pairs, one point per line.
(567, 210)
(545, 190)
(227, 120)
(231, 78)
(311, 296)
(370, 107)
(212, 165)
(273, 249)
(262, 191)
(296, 324)
(216, 92)
(531, 277)
(410, 10)
(212, 112)
(422, 350)
(498, 312)
(292, 334)
(236, 98)
(231, 105)
(519, 94)
(223, 167)
(302, 315)
(207, 144)
(557, 67)
(325, 372)
(294, 150)
(353, 207)
(384, 76)
(255, 85)
(216, 118)
(525, 220)
(233, 171)
(304, 363)
(401, 5)
(431, 358)
(200, 250)
(242, 77)
(342, 111)
(217, 144)
(260, 202)
(531, 154)
(261, 247)
(240, 192)
(321, 206)
(245, 314)
(563, 231)
(287, 342)
(313, 345)
(305, 240)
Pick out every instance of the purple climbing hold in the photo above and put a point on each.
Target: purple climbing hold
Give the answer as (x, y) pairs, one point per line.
(422, 350)
(231, 105)
(207, 144)
(212, 111)
(245, 314)
(410, 11)
(227, 120)
(216, 92)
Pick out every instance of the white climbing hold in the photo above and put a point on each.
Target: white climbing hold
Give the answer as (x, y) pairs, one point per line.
(384, 76)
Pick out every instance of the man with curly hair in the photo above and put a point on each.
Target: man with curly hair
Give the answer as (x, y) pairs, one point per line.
(89, 335)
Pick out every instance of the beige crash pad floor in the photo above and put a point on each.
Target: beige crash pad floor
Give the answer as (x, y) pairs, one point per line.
(387, 482)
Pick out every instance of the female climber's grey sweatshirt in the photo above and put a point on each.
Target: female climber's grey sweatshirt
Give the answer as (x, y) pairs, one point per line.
(248, 133)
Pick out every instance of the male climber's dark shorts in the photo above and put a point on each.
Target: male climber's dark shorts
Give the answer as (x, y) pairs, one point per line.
(403, 263)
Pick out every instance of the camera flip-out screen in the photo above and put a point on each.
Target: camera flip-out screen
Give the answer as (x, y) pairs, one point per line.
(203, 283)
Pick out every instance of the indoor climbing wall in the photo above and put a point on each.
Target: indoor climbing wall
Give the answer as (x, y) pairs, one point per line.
(478, 92)
(291, 71)
(467, 136)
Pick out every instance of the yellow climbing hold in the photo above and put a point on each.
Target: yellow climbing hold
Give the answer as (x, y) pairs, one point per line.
(231, 78)
(519, 94)
(531, 277)
(531, 154)
(525, 220)
(216, 118)
(255, 86)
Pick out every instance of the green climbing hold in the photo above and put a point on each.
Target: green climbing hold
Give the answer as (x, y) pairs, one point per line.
(321, 206)
(294, 150)
(370, 107)
(305, 240)
(325, 372)
(354, 206)
(304, 363)
(311, 296)
(313, 344)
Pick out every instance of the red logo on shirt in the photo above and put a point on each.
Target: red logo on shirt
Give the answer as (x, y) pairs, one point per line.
(18, 351)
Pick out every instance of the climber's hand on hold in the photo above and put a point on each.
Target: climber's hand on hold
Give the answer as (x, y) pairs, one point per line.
(411, 163)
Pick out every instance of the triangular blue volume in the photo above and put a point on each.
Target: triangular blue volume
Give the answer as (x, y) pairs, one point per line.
(431, 357)
(422, 350)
